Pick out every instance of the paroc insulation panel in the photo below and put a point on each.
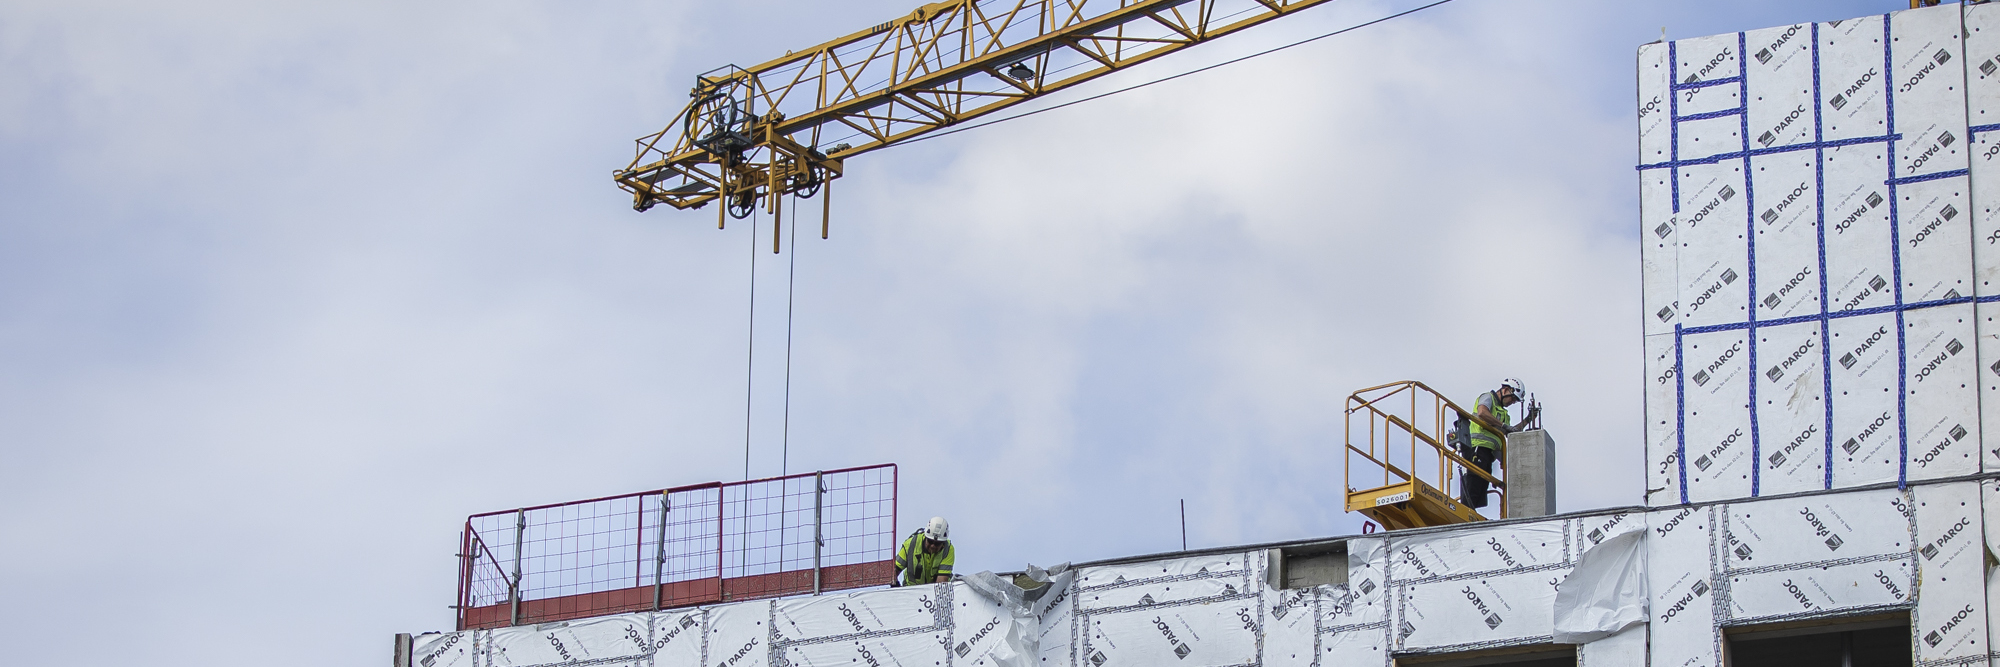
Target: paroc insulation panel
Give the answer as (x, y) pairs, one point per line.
(1818, 228)
(1750, 562)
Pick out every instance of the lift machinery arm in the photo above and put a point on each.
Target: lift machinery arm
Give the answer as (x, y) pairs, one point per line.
(787, 126)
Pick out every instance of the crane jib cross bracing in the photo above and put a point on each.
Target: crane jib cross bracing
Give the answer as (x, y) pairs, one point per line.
(787, 126)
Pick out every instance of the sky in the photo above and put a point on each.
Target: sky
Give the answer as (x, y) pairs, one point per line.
(288, 290)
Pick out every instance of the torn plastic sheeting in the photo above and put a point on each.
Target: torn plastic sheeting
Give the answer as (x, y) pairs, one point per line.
(1019, 643)
(1606, 592)
(810, 618)
(450, 649)
(1469, 551)
(984, 631)
(619, 638)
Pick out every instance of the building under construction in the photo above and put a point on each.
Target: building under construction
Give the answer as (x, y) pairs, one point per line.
(1820, 222)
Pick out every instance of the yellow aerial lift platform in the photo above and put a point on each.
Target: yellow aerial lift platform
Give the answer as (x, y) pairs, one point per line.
(1405, 434)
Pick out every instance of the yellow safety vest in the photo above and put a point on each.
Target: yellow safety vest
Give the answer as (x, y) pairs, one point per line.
(1483, 437)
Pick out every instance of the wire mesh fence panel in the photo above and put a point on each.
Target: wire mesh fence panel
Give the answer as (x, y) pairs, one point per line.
(685, 546)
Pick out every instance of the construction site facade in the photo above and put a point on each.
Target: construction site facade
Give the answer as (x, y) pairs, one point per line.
(1820, 232)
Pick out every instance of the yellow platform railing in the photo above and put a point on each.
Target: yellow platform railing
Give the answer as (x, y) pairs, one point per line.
(1403, 429)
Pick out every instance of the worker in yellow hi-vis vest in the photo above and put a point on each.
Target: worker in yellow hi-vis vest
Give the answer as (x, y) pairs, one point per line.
(1481, 443)
(926, 556)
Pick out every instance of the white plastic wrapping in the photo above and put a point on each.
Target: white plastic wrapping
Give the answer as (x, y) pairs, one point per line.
(1606, 592)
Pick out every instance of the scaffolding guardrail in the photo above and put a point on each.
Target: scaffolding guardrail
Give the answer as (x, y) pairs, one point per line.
(679, 547)
(1409, 423)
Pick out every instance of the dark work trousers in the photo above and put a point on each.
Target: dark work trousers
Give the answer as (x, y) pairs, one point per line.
(1472, 487)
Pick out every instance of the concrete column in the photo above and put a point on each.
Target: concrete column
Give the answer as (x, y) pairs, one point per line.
(1531, 474)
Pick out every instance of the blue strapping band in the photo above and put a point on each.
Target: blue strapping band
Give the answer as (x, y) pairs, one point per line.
(1715, 82)
(1750, 253)
(1825, 338)
(1705, 115)
(1896, 239)
(1674, 141)
(1906, 180)
(1680, 415)
(1857, 312)
(1732, 155)
(1976, 129)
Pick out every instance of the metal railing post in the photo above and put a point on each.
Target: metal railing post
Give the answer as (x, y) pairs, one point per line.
(660, 550)
(514, 588)
(819, 493)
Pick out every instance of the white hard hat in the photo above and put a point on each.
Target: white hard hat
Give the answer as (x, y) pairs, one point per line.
(1516, 385)
(937, 529)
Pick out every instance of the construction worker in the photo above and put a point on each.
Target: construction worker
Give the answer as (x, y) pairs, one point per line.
(1481, 443)
(926, 556)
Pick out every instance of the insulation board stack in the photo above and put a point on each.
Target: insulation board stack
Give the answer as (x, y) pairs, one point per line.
(1818, 254)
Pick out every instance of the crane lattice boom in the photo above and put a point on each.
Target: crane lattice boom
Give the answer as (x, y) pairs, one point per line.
(786, 126)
